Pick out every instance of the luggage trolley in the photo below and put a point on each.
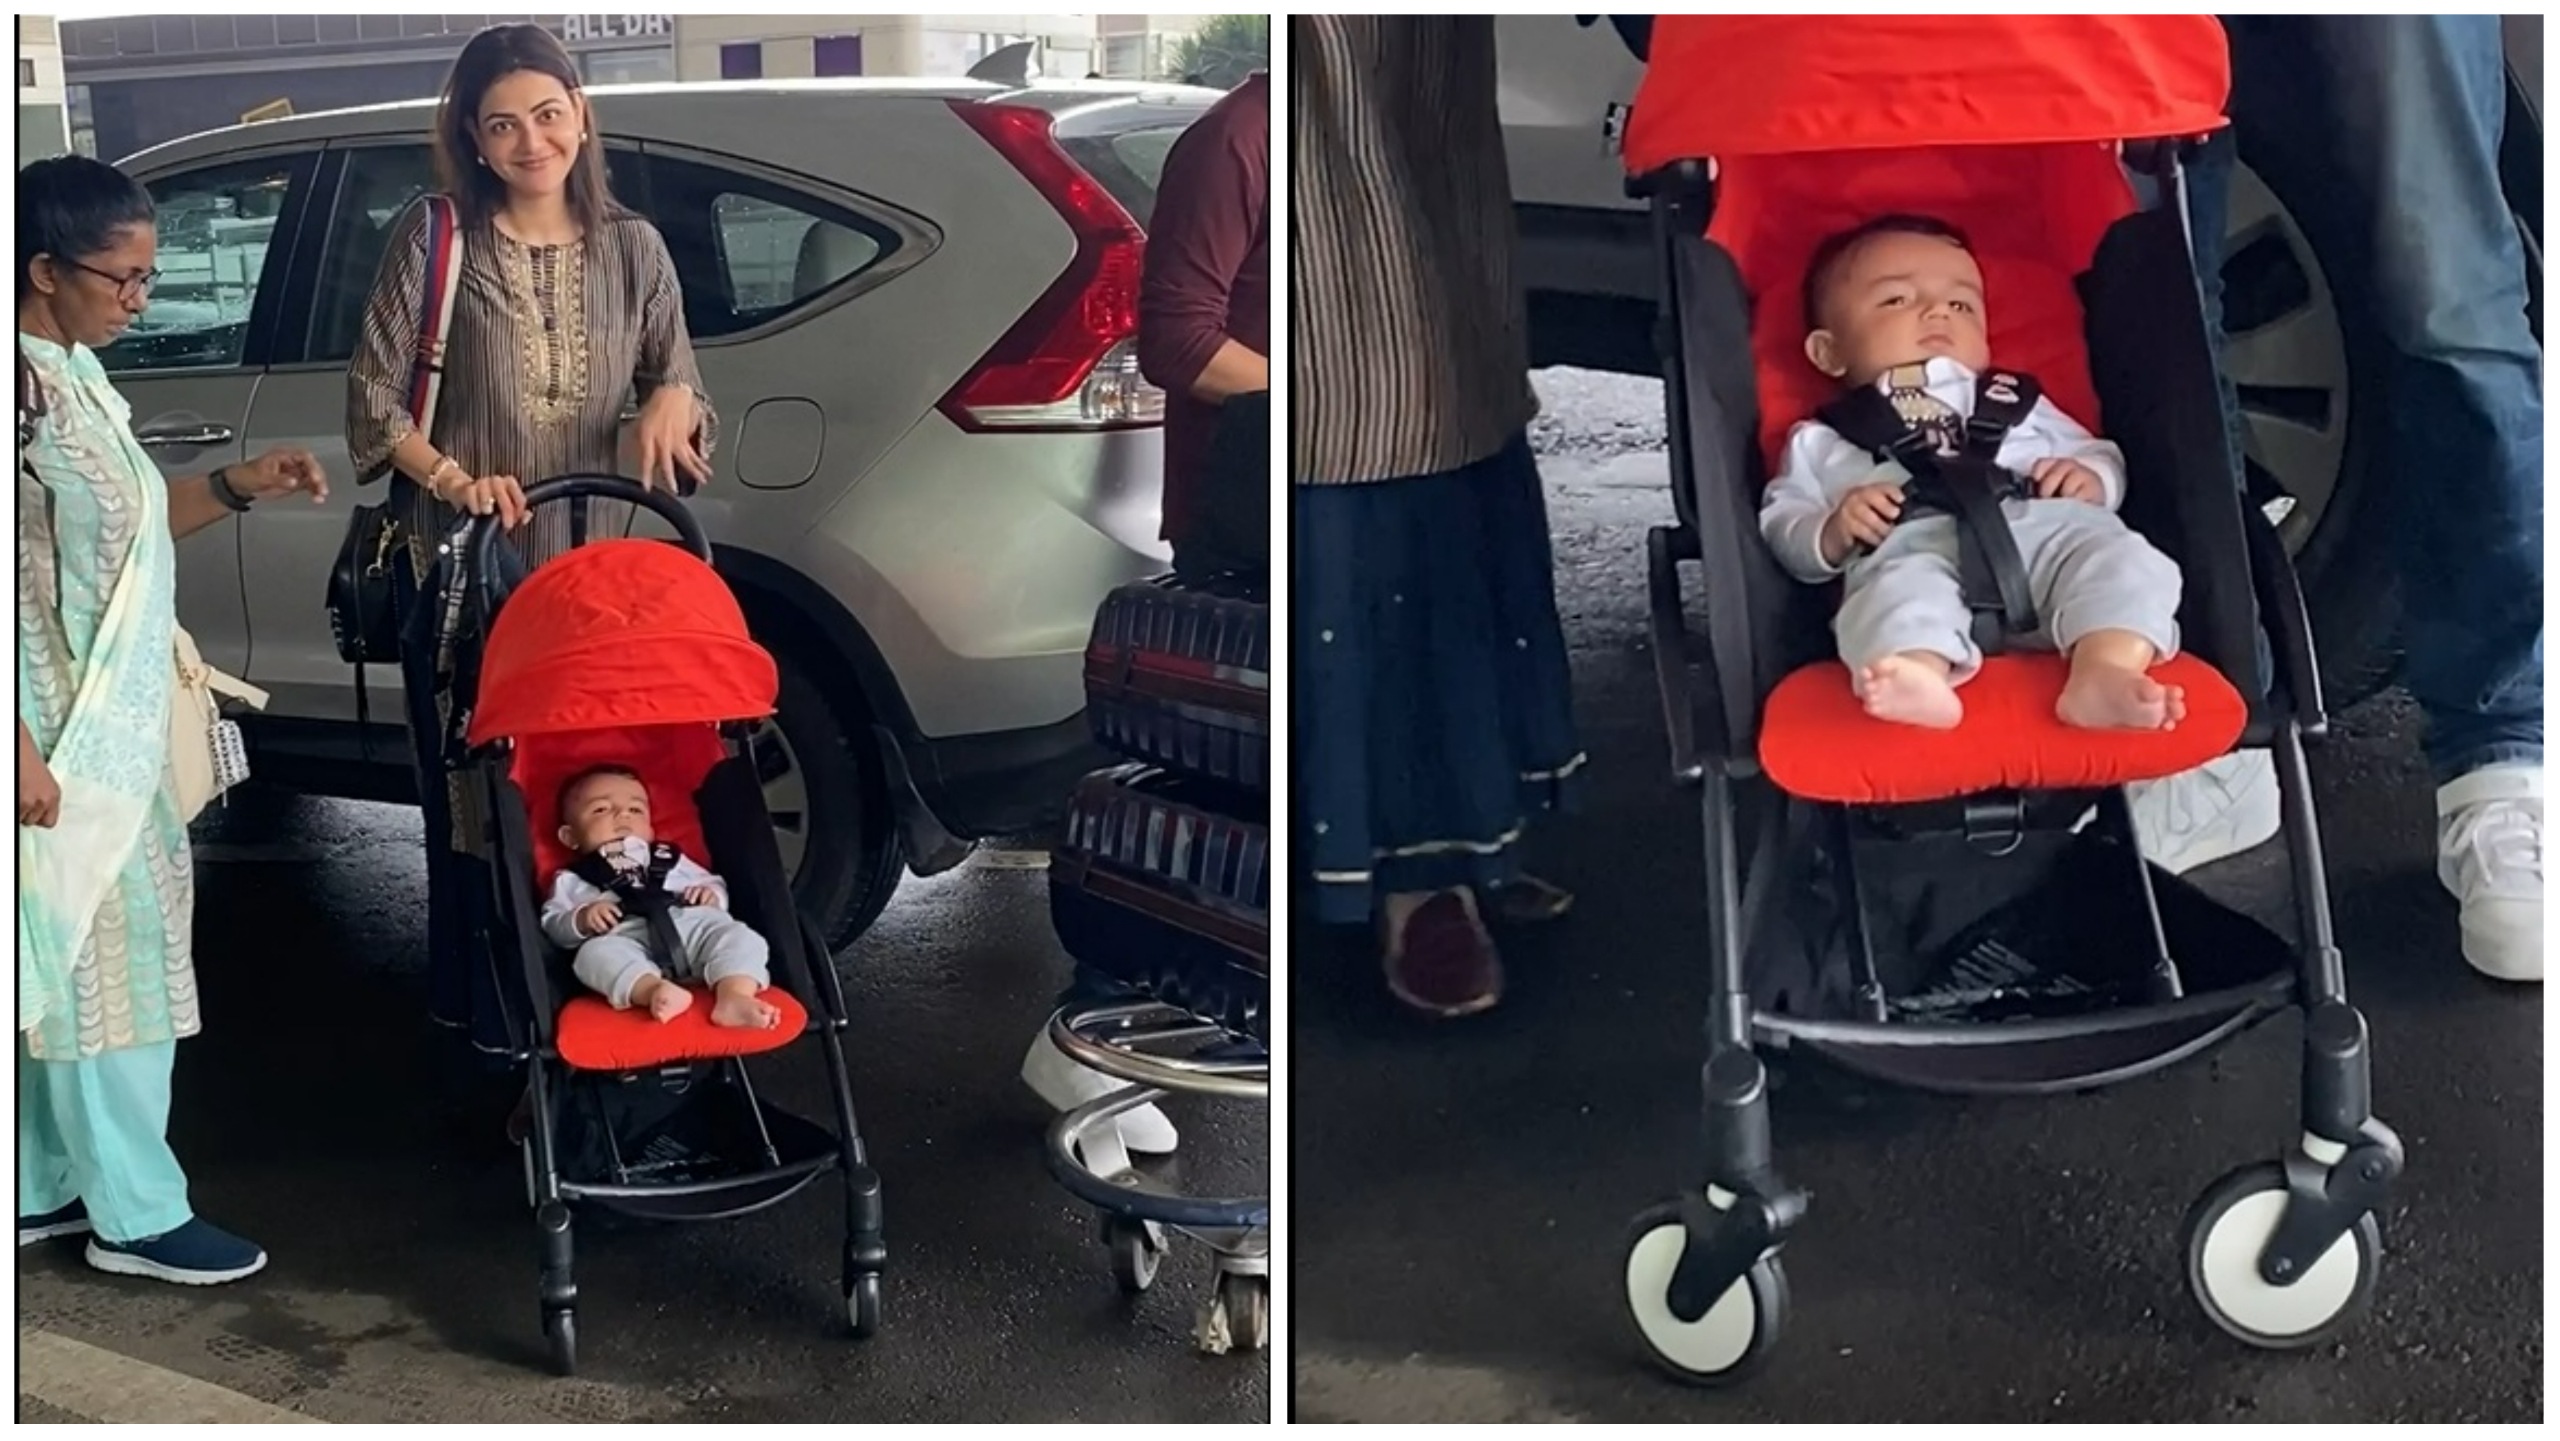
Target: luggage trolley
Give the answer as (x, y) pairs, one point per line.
(1162, 883)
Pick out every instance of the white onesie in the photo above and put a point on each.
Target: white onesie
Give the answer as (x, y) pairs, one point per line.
(715, 944)
(2086, 569)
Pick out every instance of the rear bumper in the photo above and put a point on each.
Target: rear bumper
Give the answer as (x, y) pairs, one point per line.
(961, 789)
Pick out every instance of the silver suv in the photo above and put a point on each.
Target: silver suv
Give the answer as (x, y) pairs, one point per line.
(914, 305)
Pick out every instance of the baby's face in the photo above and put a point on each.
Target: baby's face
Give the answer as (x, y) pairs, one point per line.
(605, 808)
(1900, 299)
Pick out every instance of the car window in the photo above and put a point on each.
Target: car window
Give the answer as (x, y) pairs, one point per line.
(215, 225)
(1129, 163)
(381, 181)
(749, 250)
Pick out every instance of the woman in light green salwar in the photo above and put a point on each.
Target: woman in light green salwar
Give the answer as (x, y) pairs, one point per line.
(106, 894)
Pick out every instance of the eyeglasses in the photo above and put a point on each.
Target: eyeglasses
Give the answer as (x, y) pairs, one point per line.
(128, 287)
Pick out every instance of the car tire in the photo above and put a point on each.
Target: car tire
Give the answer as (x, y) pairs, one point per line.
(2342, 544)
(849, 859)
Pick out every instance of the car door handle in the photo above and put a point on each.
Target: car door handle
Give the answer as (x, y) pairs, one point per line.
(159, 437)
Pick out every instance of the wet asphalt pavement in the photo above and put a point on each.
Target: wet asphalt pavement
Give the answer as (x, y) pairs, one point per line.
(310, 1117)
(1460, 1191)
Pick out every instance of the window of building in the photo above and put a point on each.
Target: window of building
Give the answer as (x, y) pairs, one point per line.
(629, 67)
(749, 251)
(1124, 57)
(214, 227)
(838, 55)
(742, 61)
(26, 75)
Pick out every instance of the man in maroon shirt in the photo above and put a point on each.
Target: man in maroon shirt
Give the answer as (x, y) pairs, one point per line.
(1204, 310)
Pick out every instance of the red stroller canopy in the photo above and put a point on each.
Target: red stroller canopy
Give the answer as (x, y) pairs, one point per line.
(624, 652)
(1728, 85)
(618, 634)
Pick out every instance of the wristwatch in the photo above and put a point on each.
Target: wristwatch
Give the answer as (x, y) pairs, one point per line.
(220, 482)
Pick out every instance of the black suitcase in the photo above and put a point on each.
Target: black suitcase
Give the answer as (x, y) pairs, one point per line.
(1179, 675)
(1157, 886)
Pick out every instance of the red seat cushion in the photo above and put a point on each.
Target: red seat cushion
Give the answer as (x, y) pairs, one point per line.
(596, 1037)
(1818, 743)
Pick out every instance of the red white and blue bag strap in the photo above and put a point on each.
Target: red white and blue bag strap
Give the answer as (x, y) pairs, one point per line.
(444, 281)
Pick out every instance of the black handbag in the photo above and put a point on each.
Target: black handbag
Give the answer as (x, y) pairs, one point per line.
(361, 614)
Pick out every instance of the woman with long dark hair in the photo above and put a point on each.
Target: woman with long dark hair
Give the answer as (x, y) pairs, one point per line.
(567, 305)
(106, 898)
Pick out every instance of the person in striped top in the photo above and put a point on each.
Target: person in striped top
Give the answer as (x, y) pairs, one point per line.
(1433, 713)
(567, 304)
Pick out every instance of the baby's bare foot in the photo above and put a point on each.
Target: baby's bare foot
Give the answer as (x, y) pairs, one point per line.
(667, 1000)
(1909, 692)
(2108, 698)
(744, 1009)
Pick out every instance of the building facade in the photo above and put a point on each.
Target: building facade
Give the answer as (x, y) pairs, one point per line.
(137, 80)
(1140, 47)
(782, 47)
(44, 128)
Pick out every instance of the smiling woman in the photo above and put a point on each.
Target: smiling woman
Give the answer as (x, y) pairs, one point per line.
(546, 306)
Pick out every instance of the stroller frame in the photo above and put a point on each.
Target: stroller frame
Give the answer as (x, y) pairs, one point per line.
(788, 1152)
(2279, 1254)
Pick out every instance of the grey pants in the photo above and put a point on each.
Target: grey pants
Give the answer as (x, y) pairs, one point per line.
(716, 946)
(2086, 570)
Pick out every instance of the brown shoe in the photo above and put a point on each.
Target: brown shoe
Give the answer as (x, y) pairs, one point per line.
(1444, 964)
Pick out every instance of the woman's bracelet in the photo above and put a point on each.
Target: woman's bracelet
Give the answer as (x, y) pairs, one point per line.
(220, 484)
(435, 474)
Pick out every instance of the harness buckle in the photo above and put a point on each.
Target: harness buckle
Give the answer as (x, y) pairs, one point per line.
(1995, 824)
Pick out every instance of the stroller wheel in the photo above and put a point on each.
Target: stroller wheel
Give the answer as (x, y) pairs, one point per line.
(1735, 1335)
(2226, 1231)
(862, 1306)
(1136, 1250)
(1245, 1303)
(560, 1328)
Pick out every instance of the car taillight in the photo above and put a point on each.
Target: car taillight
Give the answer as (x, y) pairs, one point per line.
(1071, 361)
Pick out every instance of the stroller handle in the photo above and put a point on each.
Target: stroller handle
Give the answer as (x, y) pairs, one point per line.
(485, 529)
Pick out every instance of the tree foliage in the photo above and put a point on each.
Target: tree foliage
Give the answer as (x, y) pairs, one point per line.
(1224, 50)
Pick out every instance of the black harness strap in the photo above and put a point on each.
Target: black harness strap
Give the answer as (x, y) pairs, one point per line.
(1968, 485)
(643, 893)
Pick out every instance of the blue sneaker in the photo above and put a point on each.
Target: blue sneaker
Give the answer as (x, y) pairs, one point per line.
(71, 1220)
(198, 1253)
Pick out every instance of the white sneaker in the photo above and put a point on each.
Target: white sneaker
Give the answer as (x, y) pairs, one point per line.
(1058, 1080)
(2489, 854)
(2219, 809)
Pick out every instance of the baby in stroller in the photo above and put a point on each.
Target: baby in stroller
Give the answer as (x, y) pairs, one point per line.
(1895, 311)
(626, 902)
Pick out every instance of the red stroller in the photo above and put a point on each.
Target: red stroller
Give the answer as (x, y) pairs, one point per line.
(1925, 907)
(633, 652)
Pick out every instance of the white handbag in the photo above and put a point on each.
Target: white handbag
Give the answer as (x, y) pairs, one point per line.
(206, 754)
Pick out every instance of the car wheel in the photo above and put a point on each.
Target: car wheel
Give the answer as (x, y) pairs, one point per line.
(2300, 363)
(827, 793)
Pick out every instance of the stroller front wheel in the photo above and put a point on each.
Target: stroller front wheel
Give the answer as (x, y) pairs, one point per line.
(1732, 1338)
(2228, 1231)
(862, 1307)
(560, 1329)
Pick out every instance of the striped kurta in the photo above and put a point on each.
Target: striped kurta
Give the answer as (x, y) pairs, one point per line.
(1408, 332)
(548, 344)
